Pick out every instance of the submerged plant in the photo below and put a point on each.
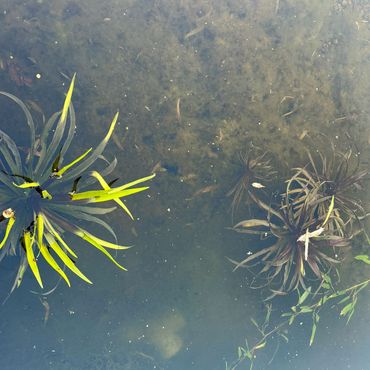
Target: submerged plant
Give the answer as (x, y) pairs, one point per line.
(316, 214)
(299, 240)
(41, 197)
(337, 175)
(255, 172)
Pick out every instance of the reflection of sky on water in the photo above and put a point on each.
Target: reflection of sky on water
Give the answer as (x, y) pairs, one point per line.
(266, 72)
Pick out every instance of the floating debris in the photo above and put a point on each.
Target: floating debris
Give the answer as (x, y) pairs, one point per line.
(205, 190)
(194, 31)
(158, 168)
(178, 113)
(46, 305)
(257, 185)
(303, 134)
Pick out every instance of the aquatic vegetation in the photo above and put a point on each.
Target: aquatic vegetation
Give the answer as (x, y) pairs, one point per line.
(299, 240)
(303, 234)
(338, 175)
(255, 172)
(309, 303)
(315, 217)
(42, 198)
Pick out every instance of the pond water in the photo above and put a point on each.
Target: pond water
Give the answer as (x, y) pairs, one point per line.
(197, 82)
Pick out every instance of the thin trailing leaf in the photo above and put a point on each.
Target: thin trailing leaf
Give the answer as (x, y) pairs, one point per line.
(21, 270)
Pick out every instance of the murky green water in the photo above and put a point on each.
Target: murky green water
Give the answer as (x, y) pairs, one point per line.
(195, 82)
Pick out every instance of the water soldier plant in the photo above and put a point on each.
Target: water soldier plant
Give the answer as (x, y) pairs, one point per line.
(315, 218)
(335, 177)
(255, 171)
(298, 241)
(42, 198)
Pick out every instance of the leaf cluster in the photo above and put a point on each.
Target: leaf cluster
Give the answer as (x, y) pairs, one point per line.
(316, 216)
(41, 198)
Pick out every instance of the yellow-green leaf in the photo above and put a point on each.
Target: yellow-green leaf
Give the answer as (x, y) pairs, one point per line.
(46, 195)
(51, 261)
(63, 256)
(44, 251)
(111, 128)
(68, 166)
(97, 245)
(7, 231)
(114, 193)
(102, 242)
(97, 196)
(330, 210)
(67, 100)
(51, 229)
(117, 195)
(135, 182)
(40, 228)
(105, 186)
(28, 244)
(27, 185)
(364, 258)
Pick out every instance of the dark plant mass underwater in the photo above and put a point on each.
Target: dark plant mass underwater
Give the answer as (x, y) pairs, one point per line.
(316, 216)
(41, 198)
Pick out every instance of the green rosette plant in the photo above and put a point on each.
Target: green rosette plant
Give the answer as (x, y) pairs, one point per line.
(42, 198)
